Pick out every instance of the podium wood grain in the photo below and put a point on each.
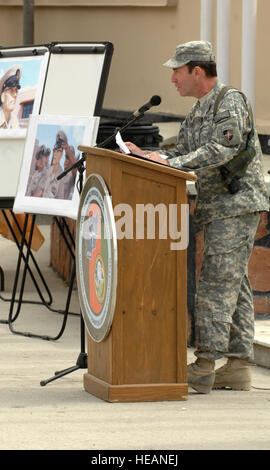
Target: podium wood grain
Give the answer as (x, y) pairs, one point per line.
(144, 356)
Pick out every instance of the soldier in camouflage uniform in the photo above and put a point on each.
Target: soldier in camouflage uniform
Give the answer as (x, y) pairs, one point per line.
(224, 314)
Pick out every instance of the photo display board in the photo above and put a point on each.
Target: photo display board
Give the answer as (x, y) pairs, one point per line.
(22, 76)
(70, 81)
(50, 149)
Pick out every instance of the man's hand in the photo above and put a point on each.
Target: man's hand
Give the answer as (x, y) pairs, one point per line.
(151, 155)
(157, 158)
(134, 149)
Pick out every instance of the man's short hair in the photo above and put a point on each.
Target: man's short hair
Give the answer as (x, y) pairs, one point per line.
(210, 68)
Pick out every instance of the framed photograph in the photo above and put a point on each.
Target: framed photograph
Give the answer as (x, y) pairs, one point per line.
(21, 88)
(51, 148)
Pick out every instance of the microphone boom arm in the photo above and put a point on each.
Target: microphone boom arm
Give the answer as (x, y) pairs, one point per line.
(120, 129)
(101, 144)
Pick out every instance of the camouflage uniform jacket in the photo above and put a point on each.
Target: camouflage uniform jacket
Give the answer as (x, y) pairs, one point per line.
(206, 142)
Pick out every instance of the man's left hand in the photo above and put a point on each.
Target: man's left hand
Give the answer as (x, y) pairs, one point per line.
(157, 158)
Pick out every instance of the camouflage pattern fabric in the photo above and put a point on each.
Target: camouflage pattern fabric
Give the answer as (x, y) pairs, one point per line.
(201, 51)
(206, 142)
(224, 314)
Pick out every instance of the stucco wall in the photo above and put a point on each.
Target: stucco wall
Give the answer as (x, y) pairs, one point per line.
(143, 37)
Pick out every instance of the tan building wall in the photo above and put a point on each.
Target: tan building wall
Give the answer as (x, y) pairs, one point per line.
(144, 36)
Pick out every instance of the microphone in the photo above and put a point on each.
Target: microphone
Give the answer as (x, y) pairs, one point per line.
(154, 101)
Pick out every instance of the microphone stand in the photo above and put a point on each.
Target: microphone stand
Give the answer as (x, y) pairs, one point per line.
(82, 358)
(102, 144)
(129, 123)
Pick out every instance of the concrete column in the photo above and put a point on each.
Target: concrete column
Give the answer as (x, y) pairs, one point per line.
(28, 22)
(249, 16)
(223, 40)
(207, 7)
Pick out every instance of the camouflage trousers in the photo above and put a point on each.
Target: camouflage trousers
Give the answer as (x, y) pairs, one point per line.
(224, 313)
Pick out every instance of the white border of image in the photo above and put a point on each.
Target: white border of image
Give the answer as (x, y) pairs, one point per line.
(51, 206)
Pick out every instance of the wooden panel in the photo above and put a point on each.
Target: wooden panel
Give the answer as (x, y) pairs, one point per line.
(101, 166)
(182, 316)
(147, 269)
(60, 258)
(133, 392)
(100, 358)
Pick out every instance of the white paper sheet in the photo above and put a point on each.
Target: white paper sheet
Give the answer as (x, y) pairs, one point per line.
(121, 143)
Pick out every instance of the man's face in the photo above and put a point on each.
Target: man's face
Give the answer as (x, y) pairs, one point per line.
(8, 98)
(184, 81)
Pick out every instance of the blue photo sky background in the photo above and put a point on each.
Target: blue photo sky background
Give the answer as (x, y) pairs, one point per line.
(30, 69)
(46, 135)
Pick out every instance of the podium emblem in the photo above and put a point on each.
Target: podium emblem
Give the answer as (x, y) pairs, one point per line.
(96, 257)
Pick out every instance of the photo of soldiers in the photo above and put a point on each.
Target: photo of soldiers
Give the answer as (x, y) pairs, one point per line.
(42, 180)
(61, 189)
(51, 148)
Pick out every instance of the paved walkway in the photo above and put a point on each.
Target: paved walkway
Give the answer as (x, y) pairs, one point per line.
(62, 416)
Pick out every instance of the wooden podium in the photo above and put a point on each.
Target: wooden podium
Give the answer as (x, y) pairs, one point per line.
(144, 357)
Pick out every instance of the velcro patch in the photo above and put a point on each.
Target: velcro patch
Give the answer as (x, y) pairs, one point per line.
(228, 132)
(221, 116)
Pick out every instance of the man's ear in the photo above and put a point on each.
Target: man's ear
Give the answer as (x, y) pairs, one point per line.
(198, 71)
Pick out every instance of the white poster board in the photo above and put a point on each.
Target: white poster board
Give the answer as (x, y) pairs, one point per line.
(52, 147)
(74, 79)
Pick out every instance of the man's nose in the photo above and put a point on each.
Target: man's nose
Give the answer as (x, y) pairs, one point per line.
(14, 91)
(173, 78)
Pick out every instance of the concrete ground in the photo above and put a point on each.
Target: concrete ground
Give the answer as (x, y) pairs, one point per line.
(62, 416)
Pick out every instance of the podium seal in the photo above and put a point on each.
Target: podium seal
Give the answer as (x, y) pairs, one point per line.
(96, 257)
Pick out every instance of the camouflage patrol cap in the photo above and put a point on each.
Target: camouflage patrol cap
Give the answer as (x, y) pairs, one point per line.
(197, 51)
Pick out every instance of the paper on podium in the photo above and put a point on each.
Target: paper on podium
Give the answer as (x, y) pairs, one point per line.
(121, 143)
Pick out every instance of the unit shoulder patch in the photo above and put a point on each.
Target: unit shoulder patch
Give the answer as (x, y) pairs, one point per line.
(228, 132)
